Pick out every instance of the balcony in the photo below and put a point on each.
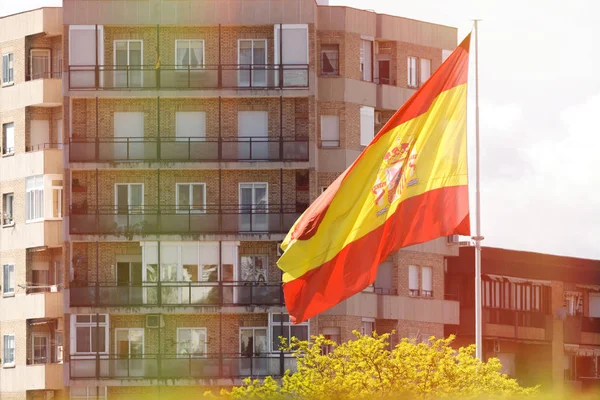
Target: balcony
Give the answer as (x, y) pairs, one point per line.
(499, 322)
(176, 294)
(32, 306)
(170, 149)
(177, 77)
(582, 330)
(37, 92)
(214, 219)
(171, 366)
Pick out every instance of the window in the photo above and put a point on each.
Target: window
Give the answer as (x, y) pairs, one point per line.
(57, 191)
(332, 334)
(322, 189)
(34, 202)
(425, 69)
(189, 53)
(280, 325)
(330, 131)
(128, 58)
(573, 303)
(8, 138)
(190, 125)
(39, 136)
(91, 333)
(413, 280)
(367, 125)
(594, 301)
(254, 268)
(40, 349)
(8, 279)
(367, 326)
(412, 72)
(40, 64)
(330, 55)
(8, 73)
(252, 57)
(8, 209)
(426, 281)
(191, 342)
(420, 287)
(294, 55)
(88, 393)
(366, 60)
(191, 197)
(9, 350)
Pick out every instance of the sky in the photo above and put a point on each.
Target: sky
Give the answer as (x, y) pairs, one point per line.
(538, 97)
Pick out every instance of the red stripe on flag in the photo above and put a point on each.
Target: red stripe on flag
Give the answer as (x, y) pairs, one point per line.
(439, 212)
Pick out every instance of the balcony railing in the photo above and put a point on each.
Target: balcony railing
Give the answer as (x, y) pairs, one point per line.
(533, 319)
(172, 366)
(223, 76)
(590, 324)
(42, 67)
(180, 149)
(44, 146)
(233, 219)
(194, 294)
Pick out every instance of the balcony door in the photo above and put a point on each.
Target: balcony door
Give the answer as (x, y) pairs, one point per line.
(254, 204)
(129, 346)
(252, 60)
(128, 137)
(129, 283)
(253, 131)
(40, 348)
(254, 351)
(129, 201)
(128, 63)
(40, 66)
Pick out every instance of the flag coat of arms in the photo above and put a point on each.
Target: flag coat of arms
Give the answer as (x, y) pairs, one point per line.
(408, 186)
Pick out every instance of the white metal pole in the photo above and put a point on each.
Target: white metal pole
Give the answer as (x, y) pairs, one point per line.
(478, 238)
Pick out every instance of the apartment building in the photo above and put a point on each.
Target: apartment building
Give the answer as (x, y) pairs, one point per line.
(195, 133)
(541, 314)
(31, 189)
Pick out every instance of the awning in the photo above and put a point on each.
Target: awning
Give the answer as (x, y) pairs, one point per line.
(513, 279)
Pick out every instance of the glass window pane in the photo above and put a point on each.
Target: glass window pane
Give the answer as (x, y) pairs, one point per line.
(184, 196)
(300, 332)
(198, 197)
(99, 332)
(83, 339)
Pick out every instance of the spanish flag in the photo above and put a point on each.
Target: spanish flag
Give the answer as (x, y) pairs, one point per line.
(408, 186)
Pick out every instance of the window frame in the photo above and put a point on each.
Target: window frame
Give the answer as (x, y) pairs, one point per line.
(336, 67)
(287, 324)
(88, 393)
(367, 320)
(410, 83)
(5, 196)
(11, 278)
(10, 57)
(189, 65)
(189, 355)
(91, 324)
(35, 199)
(190, 185)
(336, 142)
(4, 350)
(420, 291)
(46, 336)
(420, 70)
(4, 146)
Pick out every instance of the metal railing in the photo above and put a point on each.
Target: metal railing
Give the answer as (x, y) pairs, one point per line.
(43, 146)
(8, 150)
(501, 316)
(42, 67)
(590, 324)
(173, 219)
(222, 76)
(165, 293)
(174, 366)
(173, 149)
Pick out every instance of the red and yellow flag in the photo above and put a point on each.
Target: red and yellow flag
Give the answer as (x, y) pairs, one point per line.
(408, 186)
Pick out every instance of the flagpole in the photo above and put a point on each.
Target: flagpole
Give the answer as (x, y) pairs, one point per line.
(477, 238)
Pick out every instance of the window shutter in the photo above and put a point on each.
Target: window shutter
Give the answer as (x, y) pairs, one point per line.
(330, 131)
(427, 277)
(413, 277)
(594, 299)
(367, 125)
(425, 69)
(191, 124)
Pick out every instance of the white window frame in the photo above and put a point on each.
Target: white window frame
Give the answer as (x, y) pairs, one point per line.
(9, 293)
(596, 296)
(117, 330)
(421, 69)
(252, 65)
(75, 325)
(366, 111)
(419, 291)
(91, 393)
(191, 211)
(5, 151)
(48, 355)
(205, 350)
(128, 193)
(284, 324)
(323, 144)
(184, 66)
(48, 64)
(366, 320)
(33, 199)
(10, 59)
(412, 74)
(253, 329)
(141, 70)
(423, 292)
(5, 196)
(4, 348)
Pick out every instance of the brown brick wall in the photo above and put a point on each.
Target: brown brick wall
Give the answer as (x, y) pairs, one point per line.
(17, 47)
(17, 257)
(403, 51)
(17, 117)
(19, 329)
(406, 258)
